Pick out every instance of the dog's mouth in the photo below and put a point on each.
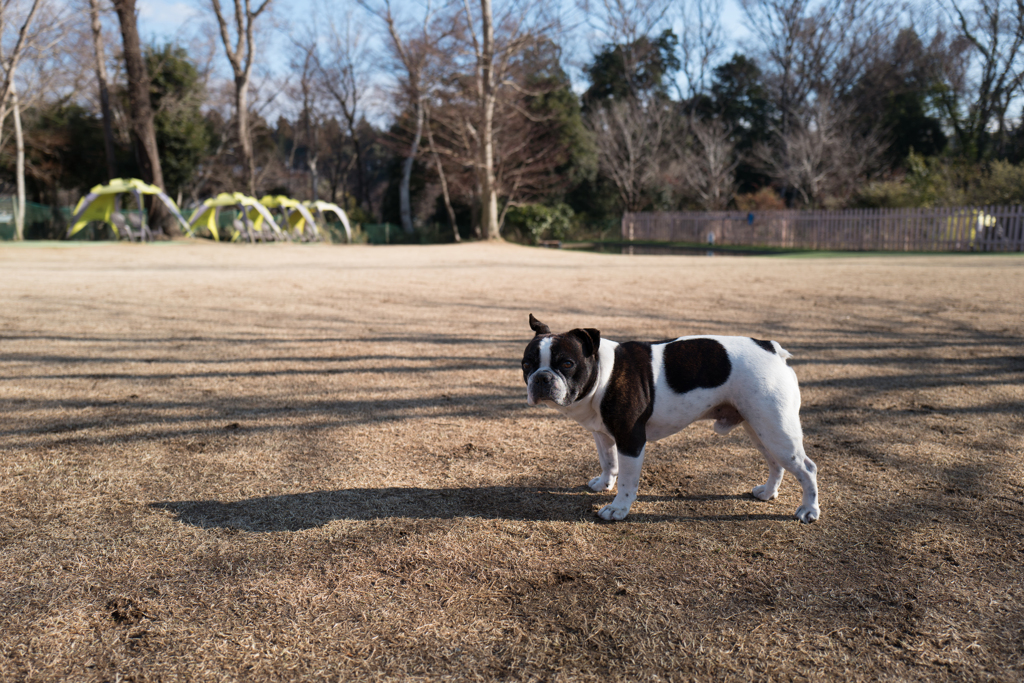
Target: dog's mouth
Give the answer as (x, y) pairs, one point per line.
(543, 401)
(547, 390)
(533, 399)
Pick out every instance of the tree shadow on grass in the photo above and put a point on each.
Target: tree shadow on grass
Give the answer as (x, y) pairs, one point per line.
(298, 511)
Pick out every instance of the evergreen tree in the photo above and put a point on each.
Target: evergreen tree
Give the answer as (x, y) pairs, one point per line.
(182, 133)
(636, 70)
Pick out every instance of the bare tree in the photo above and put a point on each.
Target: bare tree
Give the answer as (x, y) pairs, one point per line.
(36, 43)
(466, 66)
(241, 53)
(624, 21)
(9, 64)
(19, 210)
(143, 130)
(412, 49)
(701, 42)
(101, 78)
(995, 29)
(439, 166)
(307, 93)
(631, 147)
(529, 147)
(824, 159)
(494, 54)
(809, 48)
(863, 31)
(486, 90)
(343, 66)
(796, 43)
(9, 61)
(19, 146)
(710, 166)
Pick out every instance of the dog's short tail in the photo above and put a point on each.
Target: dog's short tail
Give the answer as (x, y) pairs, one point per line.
(783, 353)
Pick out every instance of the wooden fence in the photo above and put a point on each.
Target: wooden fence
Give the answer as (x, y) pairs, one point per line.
(988, 228)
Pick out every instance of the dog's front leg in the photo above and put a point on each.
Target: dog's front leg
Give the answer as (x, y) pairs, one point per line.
(629, 483)
(609, 457)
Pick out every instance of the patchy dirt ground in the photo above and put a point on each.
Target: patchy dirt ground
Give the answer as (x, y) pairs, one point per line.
(291, 463)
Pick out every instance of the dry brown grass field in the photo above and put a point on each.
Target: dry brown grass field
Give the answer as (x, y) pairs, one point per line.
(284, 462)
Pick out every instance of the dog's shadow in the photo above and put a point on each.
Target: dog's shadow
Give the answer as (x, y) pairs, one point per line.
(297, 511)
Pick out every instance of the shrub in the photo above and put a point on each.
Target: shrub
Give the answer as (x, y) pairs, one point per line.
(1000, 183)
(886, 194)
(765, 199)
(536, 222)
(934, 181)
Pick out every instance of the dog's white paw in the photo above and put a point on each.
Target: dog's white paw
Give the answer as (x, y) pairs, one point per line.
(613, 512)
(808, 513)
(762, 492)
(602, 483)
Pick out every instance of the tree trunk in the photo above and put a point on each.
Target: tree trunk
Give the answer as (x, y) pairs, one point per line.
(476, 210)
(241, 58)
(488, 191)
(101, 77)
(244, 136)
(10, 65)
(313, 179)
(342, 180)
(143, 130)
(444, 182)
(404, 203)
(363, 198)
(312, 155)
(19, 210)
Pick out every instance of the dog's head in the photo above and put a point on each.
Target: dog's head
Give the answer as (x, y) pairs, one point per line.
(559, 368)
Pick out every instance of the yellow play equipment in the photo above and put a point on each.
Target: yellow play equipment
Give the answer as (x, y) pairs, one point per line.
(322, 208)
(301, 224)
(963, 228)
(103, 203)
(253, 223)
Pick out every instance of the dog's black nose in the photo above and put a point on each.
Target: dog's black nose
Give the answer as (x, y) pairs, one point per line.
(543, 378)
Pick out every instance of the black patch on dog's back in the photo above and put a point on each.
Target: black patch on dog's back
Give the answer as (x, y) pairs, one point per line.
(629, 398)
(766, 345)
(696, 364)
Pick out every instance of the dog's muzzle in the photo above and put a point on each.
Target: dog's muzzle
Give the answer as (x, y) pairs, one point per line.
(545, 385)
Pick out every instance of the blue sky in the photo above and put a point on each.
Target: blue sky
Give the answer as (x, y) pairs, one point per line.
(164, 18)
(181, 20)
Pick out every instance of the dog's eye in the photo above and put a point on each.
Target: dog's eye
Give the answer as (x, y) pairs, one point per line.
(567, 364)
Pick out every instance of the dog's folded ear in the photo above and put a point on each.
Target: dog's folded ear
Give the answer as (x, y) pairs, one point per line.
(589, 338)
(538, 327)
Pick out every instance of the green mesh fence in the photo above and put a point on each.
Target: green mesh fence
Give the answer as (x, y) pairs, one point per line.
(383, 233)
(390, 233)
(42, 222)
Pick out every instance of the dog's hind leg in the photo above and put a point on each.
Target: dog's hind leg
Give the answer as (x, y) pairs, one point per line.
(608, 453)
(780, 434)
(769, 489)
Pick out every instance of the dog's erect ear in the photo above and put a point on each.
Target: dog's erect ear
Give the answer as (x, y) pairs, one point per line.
(589, 338)
(538, 327)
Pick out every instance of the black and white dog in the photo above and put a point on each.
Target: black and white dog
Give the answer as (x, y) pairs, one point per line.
(631, 393)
